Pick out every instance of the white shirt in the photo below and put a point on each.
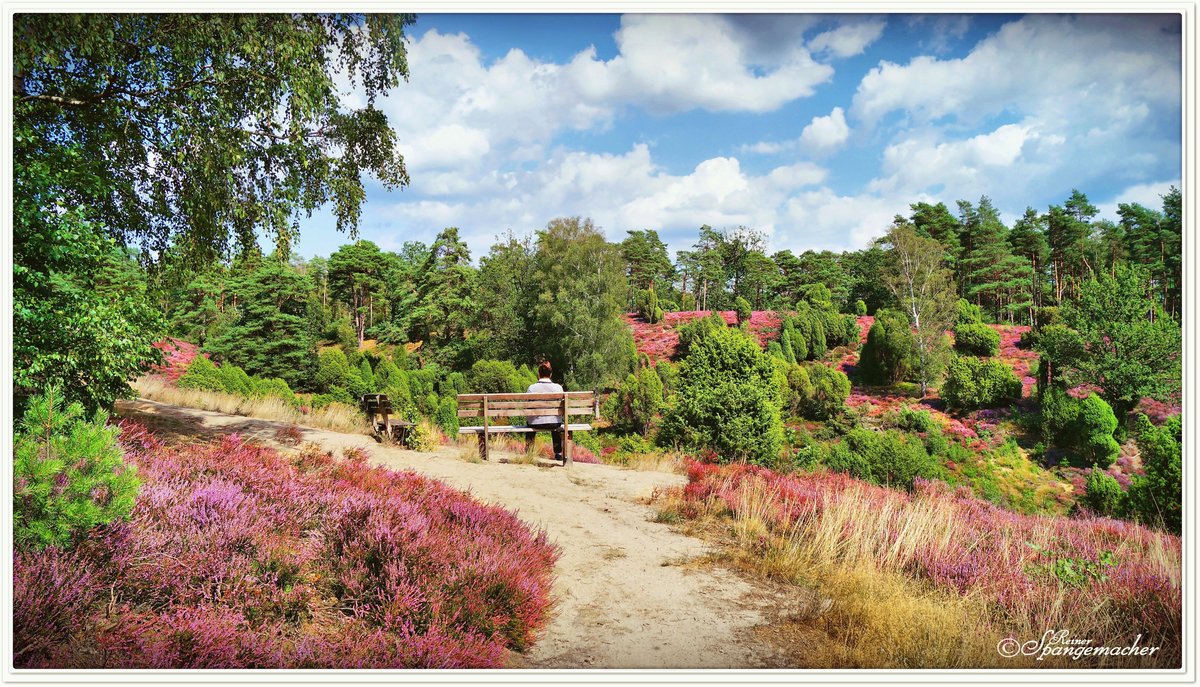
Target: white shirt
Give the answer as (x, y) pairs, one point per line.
(545, 386)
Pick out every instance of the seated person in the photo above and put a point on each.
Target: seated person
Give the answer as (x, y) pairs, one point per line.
(550, 423)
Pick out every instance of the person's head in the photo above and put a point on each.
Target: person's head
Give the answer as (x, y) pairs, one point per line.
(544, 370)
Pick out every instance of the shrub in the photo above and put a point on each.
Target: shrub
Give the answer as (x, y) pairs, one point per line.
(967, 312)
(1084, 426)
(975, 383)
(860, 308)
(69, 474)
(648, 306)
(202, 374)
(367, 376)
(52, 590)
(669, 374)
(446, 415)
(976, 339)
(696, 330)
(786, 334)
(495, 377)
(1104, 495)
(639, 400)
(1047, 316)
(914, 420)
(333, 370)
(274, 388)
(888, 458)
(419, 438)
(1156, 497)
(1096, 426)
(799, 389)
(887, 354)
(727, 399)
(742, 306)
(830, 388)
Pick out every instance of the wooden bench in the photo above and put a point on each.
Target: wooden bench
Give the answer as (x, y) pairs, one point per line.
(565, 404)
(380, 406)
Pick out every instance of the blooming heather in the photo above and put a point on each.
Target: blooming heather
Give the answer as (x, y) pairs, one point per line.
(237, 557)
(1027, 567)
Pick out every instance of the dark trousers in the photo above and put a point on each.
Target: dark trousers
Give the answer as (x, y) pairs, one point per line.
(555, 429)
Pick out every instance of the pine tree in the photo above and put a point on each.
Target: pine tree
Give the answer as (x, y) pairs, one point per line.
(1028, 240)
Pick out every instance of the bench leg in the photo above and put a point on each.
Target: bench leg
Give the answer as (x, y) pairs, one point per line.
(529, 437)
(566, 445)
(483, 445)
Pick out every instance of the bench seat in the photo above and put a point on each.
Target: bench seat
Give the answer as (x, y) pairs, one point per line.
(509, 429)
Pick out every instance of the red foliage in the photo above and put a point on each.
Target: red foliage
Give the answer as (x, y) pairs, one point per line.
(236, 557)
(177, 355)
(660, 341)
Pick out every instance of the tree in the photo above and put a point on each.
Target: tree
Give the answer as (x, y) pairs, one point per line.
(1028, 240)
(444, 309)
(175, 129)
(639, 400)
(577, 319)
(1125, 344)
(922, 286)
(81, 318)
(886, 356)
(271, 336)
(188, 126)
(646, 260)
(1067, 230)
(937, 222)
(356, 276)
(504, 296)
(863, 269)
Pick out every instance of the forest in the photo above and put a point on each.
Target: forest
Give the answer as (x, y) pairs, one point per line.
(1027, 377)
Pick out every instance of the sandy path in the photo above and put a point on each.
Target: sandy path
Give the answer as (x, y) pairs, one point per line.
(623, 598)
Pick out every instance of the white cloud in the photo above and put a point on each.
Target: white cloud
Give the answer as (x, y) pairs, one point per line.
(1063, 66)
(1148, 195)
(453, 145)
(849, 39)
(826, 133)
(678, 62)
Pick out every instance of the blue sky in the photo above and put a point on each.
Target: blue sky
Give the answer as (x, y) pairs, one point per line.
(816, 129)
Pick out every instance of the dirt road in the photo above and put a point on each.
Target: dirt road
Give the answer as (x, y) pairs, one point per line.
(625, 596)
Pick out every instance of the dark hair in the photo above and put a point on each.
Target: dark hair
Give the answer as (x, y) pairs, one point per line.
(544, 369)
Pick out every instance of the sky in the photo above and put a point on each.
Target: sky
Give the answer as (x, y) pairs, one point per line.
(816, 129)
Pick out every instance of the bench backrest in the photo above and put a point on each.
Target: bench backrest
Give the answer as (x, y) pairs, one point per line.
(522, 405)
(377, 404)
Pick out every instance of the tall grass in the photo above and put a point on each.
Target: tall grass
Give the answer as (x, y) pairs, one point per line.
(337, 417)
(960, 569)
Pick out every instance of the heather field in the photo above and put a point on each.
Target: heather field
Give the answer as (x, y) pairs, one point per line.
(1007, 575)
(236, 556)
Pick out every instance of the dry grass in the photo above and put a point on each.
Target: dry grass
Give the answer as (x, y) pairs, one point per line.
(336, 417)
(880, 616)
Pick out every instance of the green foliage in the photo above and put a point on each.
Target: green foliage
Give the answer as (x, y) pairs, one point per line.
(68, 474)
(742, 306)
(367, 377)
(1156, 498)
(914, 420)
(235, 380)
(696, 330)
(727, 399)
(976, 383)
(639, 401)
(1124, 344)
(577, 321)
(1096, 423)
(192, 125)
(420, 439)
(1104, 495)
(967, 312)
(333, 370)
(201, 374)
(496, 377)
(81, 320)
(976, 339)
(357, 273)
(647, 305)
(799, 390)
(443, 307)
(830, 388)
(860, 307)
(886, 356)
(1070, 571)
(271, 336)
(923, 289)
(888, 458)
(1084, 426)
